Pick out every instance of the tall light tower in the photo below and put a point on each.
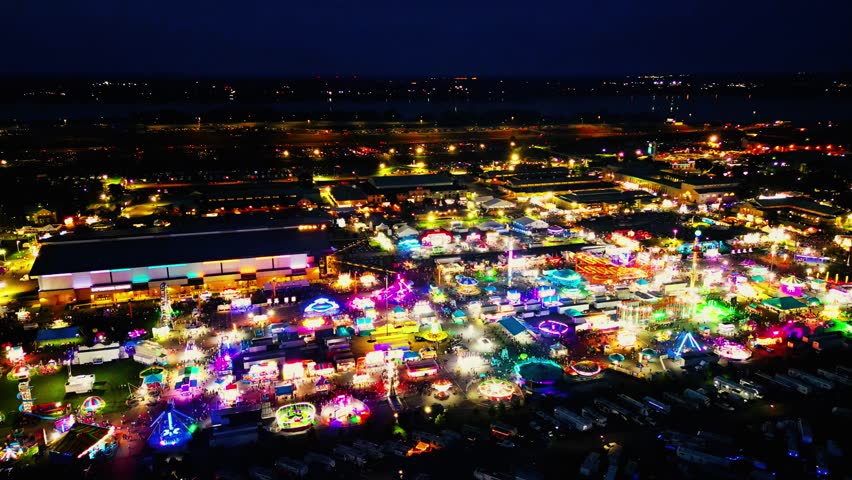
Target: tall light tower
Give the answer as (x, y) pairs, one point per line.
(696, 249)
(509, 259)
(165, 306)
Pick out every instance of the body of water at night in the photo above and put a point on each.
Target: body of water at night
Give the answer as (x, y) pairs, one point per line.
(737, 109)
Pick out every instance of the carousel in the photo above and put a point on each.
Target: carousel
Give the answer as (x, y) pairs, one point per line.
(344, 411)
(496, 389)
(467, 285)
(295, 417)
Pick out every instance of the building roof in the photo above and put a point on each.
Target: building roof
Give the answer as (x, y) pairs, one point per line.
(78, 439)
(798, 203)
(498, 203)
(512, 325)
(411, 181)
(347, 193)
(784, 303)
(69, 255)
(612, 195)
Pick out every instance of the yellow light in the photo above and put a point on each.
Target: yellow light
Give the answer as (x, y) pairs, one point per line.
(419, 150)
(420, 165)
(482, 146)
(316, 151)
(452, 148)
(516, 157)
(428, 409)
(286, 153)
(714, 138)
(392, 151)
(511, 144)
(381, 165)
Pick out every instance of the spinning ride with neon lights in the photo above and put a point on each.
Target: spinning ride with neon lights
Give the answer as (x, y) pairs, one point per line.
(553, 328)
(93, 404)
(171, 429)
(684, 343)
(496, 389)
(733, 351)
(538, 371)
(442, 388)
(397, 292)
(344, 411)
(467, 285)
(322, 306)
(435, 333)
(564, 278)
(586, 368)
(296, 417)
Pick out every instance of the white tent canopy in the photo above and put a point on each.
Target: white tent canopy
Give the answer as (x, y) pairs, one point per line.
(495, 203)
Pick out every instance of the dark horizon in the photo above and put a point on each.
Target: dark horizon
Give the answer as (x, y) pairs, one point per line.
(81, 76)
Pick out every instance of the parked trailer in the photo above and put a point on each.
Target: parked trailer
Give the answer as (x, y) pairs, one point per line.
(760, 389)
(594, 414)
(370, 448)
(796, 385)
(805, 431)
(812, 379)
(350, 454)
(792, 444)
(678, 400)
(578, 422)
(694, 455)
(635, 404)
(294, 467)
(822, 463)
(715, 437)
(835, 377)
(323, 460)
(725, 385)
(694, 396)
(610, 407)
(774, 381)
(590, 464)
(658, 405)
(550, 419)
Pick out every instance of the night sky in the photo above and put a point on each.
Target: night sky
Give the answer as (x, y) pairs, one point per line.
(433, 37)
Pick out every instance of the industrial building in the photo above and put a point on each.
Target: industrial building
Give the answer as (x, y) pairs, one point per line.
(110, 268)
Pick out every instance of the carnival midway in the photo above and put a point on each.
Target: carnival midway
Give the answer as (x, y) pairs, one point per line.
(443, 331)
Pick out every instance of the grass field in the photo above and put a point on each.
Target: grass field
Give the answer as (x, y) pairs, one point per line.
(110, 380)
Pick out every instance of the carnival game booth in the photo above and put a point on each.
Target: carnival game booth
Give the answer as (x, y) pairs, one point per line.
(83, 442)
(422, 368)
(97, 354)
(189, 381)
(149, 352)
